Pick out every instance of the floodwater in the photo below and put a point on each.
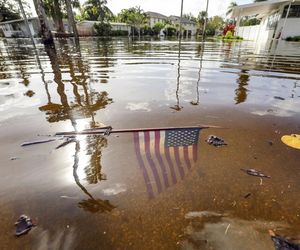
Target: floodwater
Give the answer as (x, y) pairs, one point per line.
(93, 193)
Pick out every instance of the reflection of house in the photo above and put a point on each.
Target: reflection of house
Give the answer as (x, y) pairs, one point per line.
(17, 28)
(154, 17)
(189, 27)
(272, 14)
(86, 28)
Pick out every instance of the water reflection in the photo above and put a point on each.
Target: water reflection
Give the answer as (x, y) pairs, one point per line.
(177, 106)
(241, 91)
(80, 105)
(91, 205)
(165, 156)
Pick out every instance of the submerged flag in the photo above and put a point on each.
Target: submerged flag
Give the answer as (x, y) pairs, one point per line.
(165, 156)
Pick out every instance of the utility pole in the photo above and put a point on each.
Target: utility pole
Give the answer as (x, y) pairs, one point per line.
(71, 20)
(205, 20)
(45, 28)
(180, 24)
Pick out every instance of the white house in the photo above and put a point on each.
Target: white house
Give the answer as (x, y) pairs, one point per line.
(86, 28)
(17, 28)
(279, 19)
(189, 27)
(154, 17)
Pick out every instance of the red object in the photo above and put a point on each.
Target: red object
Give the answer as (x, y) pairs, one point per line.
(229, 27)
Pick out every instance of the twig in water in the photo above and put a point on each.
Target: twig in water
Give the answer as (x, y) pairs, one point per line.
(227, 228)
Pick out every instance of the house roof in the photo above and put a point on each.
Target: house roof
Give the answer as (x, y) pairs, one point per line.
(18, 20)
(260, 8)
(184, 20)
(156, 15)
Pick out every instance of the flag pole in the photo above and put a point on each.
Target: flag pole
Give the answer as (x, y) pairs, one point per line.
(110, 130)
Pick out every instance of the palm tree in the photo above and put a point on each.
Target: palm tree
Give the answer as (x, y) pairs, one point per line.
(96, 10)
(230, 7)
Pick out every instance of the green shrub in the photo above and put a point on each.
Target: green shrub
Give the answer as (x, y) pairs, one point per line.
(170, 30)
(102, 29)
(293, 39)
(119, 33)
(228, 35)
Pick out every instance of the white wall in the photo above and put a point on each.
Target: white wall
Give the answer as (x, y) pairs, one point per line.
(248, 32)
(292, 27)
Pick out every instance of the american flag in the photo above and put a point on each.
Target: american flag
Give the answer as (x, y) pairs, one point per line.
(165, 156)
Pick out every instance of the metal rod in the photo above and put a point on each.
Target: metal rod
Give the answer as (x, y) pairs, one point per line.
(285, 19)
(26, 22)
(103, 130)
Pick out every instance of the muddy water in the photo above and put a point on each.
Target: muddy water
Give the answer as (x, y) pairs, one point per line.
(92, 193)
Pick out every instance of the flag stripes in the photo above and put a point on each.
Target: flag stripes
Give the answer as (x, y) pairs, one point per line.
(165, 157)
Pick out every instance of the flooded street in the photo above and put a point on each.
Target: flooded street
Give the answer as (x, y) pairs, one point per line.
(112, 192)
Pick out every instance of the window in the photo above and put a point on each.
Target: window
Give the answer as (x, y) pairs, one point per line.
(272, 21)
(294, 11)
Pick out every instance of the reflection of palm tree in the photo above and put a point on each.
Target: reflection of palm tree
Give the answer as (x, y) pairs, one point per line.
(84, 106)
(241, 91)
(93, 170)
(177, 106)
(91, 205)
(230, 7)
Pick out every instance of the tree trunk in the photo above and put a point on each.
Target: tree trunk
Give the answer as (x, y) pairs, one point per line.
(71, 19)
(58, 18)
(47, 37)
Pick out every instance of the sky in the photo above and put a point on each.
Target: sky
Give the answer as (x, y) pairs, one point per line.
(171, 7)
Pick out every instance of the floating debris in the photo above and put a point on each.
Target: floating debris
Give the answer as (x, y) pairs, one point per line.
(279, 98)
(254, 172)
(270, 143)
(292, 140)
(216, 141)
(66, 142)
(14, 158)
(247, 195)
(29, 93)
(36, 142)
(200, 214)
(281, 243)
(24, 225)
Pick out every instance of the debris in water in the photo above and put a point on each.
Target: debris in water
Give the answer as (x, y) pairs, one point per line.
(281, 243)
(14, 158)
(227, 228)
(200, 214)
(29, 93)
(66, 142)
(36, 142)
(279, 98)
(24, 225)
(292, 140)
(216, 141)
(254, 172)
(270, 143)
(247, 195)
